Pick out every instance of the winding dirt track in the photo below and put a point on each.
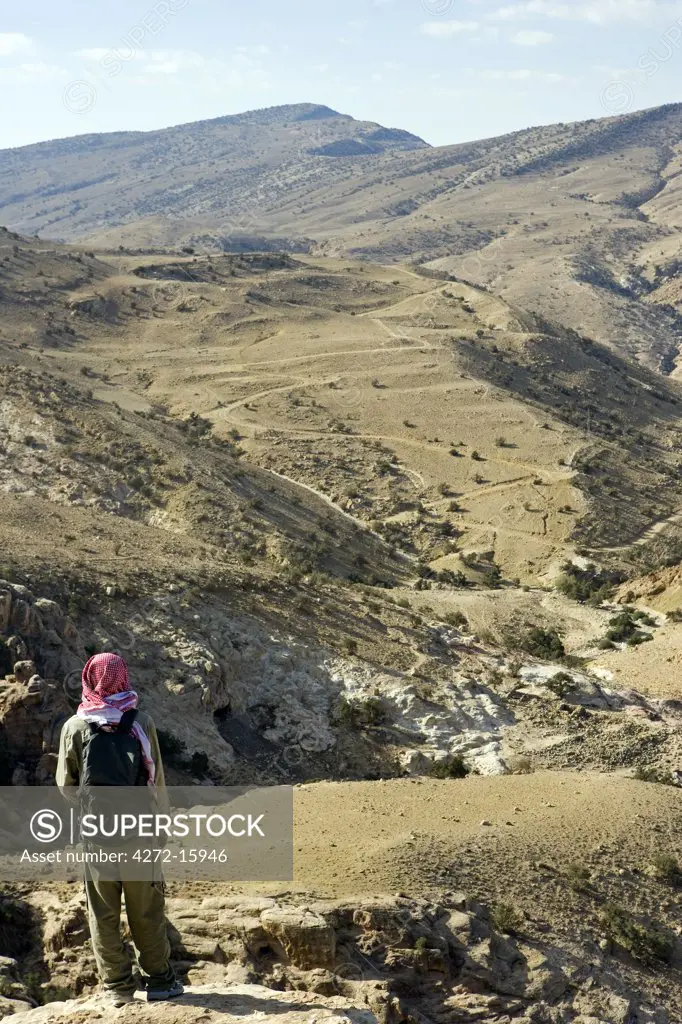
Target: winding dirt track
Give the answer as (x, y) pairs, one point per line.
(652, 531)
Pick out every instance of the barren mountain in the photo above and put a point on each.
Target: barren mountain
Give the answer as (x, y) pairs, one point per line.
(576, 221)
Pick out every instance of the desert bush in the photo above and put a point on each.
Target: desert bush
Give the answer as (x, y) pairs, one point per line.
(656, 775)
(453, 768)
(578, 877)
(492, 577)
(624, 628)
(561, 684)
(507, 919)
(590, 585)
(357, 712)
(666, 868)
(534, 640)
(650, 944)
(453, 578)
(456, 618)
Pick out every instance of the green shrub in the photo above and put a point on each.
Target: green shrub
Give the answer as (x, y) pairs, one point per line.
(454, 768)
(650, 944)
(507, 919)
(655, 775)
(666, 868)
(452, 578)
(624, 628)
(492, 577)
(589, 585)
(561, 684)
(534, 640)
(578, 877)
(356, 712)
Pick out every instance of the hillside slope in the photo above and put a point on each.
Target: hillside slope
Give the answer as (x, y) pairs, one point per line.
(577, 221)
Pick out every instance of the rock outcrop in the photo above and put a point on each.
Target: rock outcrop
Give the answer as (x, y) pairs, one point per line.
(370, 961)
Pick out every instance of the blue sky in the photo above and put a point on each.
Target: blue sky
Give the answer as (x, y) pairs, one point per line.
(448, 70)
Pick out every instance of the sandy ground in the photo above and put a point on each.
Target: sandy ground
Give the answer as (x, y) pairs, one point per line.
(401, 833)
(654, 668)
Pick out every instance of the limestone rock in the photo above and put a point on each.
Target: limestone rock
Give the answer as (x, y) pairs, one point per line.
(24, 670)
(306, 939)
(221, 1004)
(497, 963)
(5, 609)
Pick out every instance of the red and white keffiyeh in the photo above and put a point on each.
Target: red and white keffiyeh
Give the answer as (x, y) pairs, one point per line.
(106, 695)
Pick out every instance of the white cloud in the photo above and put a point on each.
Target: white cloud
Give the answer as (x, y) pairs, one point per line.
(256, 51)
(515, 75)
(448, 28)
(532, 38)
(93, 53)
(210, 73)
(171, 62)
(27, 74)
(12, 43)
(598, 12)
(241, 69)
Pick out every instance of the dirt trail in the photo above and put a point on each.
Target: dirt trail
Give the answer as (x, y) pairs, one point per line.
(649, 534)
(359, 523)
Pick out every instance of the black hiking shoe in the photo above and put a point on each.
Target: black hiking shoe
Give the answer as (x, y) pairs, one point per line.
(165, 992)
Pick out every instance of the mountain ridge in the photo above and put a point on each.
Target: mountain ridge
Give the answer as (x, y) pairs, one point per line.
(302, 177)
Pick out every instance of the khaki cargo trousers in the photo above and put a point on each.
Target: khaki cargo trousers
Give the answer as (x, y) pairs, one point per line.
(144, 906)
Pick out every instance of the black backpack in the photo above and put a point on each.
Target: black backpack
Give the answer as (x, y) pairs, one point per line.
(113, 758)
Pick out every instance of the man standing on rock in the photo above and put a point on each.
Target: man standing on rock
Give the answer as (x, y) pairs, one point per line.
(109, 743)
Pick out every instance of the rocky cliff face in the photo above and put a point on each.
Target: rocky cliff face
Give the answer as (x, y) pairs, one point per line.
(238, 704)
(370, 961)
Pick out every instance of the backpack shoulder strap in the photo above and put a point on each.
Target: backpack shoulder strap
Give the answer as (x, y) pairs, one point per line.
(127, 721)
